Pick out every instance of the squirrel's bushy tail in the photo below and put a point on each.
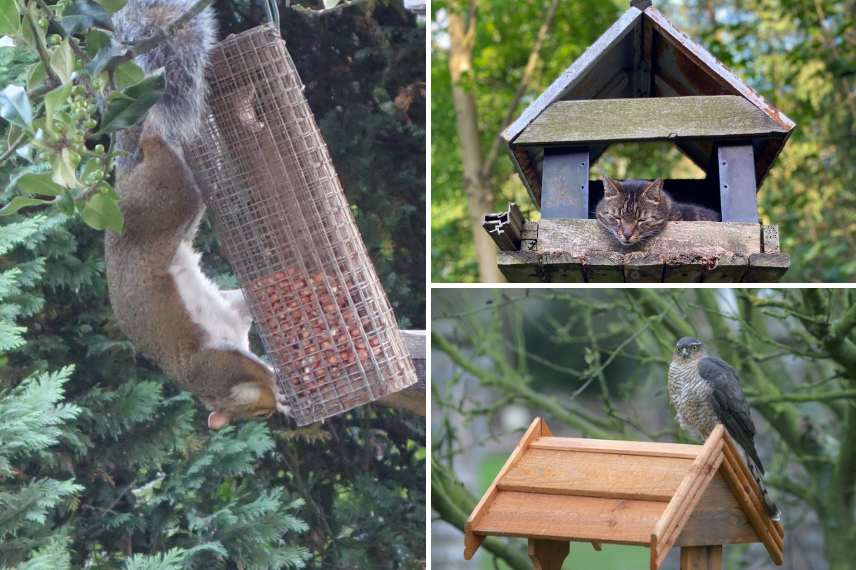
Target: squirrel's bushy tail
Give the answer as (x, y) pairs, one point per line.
(183, 55)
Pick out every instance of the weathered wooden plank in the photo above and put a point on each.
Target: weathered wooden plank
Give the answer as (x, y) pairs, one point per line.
(703, 240)
(585, 122)
(688, 272)
(621, 447)
(574, 74)
(520, 266)
(558, 267)
(606, 475)
(642, 268)
(766, 267)
(737, 190)
(559, 517)
(602, 267)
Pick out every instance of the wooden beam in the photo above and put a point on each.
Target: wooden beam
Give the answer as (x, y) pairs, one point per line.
(621, 447)
(548, 554)
(472, 540)
(737, 190)
(701, 557)
(565, 183)
(712, 117)
(687, 496)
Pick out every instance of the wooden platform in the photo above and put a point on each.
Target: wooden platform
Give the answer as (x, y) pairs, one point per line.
(658, 495)
(576, 251)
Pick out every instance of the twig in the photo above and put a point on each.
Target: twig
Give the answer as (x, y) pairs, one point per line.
(822, 397)
(528, 74)
(12, 147)
(53, 78)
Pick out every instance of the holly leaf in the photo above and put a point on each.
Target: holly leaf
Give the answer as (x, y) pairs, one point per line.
(38, 183)
(102, 212)
(62, 61)
(108, 57)
(112, 6)
(83, 15)
(36, 75)
(128, 74)
(54, 100)
(10, 18)
(15, 106)
(19, 202)
(125, 109)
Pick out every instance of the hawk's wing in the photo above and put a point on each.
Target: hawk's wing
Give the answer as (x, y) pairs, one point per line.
(729, 404)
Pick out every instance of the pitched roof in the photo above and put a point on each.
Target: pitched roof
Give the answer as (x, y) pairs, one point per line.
(642, 493)
(643, 55)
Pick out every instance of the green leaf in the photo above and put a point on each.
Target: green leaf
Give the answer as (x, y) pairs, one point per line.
(39, 184)
(36, 75)
(110, 55)
(83, 15)
(19, 202)
(127, 74)
(125, 109)
(95, 42)
(53, 100)
(62, 61)
(15, 106)
(63, 170)
(112, 6)
(102, 212)
(10, 18)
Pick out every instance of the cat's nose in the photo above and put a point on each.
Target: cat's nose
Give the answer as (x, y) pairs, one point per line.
(627, 230)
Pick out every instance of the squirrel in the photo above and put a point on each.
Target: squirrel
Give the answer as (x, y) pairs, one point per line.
(162, 300)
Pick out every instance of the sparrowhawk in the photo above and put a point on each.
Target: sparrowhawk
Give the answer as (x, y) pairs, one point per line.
(705, 391)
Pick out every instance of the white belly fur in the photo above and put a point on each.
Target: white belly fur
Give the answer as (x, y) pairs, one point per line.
(220, 320)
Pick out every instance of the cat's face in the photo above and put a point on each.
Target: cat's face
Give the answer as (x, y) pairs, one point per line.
(633, 210)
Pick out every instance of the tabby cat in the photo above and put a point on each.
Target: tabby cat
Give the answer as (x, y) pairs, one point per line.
(633, 211)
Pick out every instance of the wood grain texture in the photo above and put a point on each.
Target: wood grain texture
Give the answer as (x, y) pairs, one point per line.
(575, 250)
(548, 554)
(643, 448)
(717, 519)
(561, 517)
(594, 121)
(587, 474)
(537, 428)
(701, 557)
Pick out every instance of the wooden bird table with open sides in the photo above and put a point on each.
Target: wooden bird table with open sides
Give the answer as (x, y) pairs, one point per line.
(556, 490)
(644, 81)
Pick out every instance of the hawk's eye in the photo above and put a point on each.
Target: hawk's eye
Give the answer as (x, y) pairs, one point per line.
(696, 347)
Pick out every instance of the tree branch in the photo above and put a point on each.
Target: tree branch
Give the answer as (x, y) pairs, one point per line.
(528, 74)
(821, 397)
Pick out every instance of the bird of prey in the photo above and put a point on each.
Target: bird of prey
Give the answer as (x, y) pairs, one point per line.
(705, 391)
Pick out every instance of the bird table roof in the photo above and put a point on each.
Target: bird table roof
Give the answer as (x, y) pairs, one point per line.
(625, 492)
(642, 55)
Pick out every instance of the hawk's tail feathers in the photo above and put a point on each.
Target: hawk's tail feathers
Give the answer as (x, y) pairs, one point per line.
(771, 507)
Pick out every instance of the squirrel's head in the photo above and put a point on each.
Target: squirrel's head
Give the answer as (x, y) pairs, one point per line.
(249, 401)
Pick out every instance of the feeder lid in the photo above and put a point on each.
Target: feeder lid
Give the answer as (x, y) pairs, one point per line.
(651, 494)
(643, 55)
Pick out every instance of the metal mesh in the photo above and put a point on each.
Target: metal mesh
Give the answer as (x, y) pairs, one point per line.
(285, 226)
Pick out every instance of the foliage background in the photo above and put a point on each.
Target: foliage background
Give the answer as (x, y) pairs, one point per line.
(799, 54)
(593, 363)
(105, 464)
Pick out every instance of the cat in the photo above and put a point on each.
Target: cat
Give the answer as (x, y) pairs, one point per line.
(633, 211)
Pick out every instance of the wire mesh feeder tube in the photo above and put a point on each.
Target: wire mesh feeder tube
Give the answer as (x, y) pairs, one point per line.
(286, 228)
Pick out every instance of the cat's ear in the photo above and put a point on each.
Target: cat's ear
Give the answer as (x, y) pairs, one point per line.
(654, 191)
(611, 188)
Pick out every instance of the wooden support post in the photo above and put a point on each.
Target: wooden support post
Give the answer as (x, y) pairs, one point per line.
(701, 558)
(548, 554)
(737, 190)
(565, 183)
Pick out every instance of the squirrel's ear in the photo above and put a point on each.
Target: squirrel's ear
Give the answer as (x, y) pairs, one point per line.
(217, 420)
(611, 188)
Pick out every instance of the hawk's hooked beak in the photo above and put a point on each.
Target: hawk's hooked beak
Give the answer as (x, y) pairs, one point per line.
(685, 351)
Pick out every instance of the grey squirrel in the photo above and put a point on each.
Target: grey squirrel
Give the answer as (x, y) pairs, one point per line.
(172, 312)
(162, 300)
